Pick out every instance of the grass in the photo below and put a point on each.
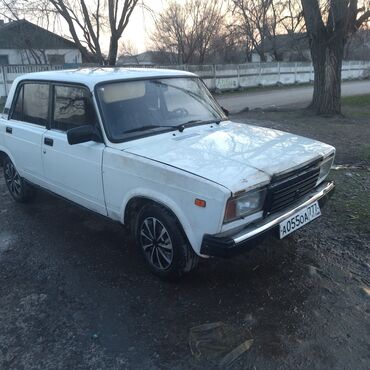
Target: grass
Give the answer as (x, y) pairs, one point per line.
(357, 101)
(366, 150)
(351, 202)
(357, 106)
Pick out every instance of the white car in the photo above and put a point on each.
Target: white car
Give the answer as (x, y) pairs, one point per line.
(152, 149)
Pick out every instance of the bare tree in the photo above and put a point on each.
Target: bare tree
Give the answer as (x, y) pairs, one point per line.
(128, 49)
(290, 16)
(329, 25)
(188, 29)
(87, 21)
(115, 14)
(257, 20)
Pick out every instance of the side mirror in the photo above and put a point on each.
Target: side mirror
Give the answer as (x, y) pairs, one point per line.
(225, 111)
(81, 134)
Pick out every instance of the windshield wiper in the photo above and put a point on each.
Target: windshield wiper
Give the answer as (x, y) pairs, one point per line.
(199, 121)
(170, 128)
(181, 127)
(143, 128)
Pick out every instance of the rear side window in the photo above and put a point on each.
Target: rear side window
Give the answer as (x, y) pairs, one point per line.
(35, 103)
(32, 104)
(72, 108)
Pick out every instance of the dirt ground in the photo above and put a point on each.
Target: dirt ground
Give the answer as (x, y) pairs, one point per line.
(75, 294)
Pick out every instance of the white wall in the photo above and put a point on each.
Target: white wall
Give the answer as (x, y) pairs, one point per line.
(17, 56)
(235, 76)
(224, 77)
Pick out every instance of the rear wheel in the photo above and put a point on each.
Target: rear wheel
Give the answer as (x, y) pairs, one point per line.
(18, 188)
(163, 244)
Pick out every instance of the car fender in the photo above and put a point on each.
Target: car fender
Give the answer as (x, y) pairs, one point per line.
(166, 202)
(7, 152)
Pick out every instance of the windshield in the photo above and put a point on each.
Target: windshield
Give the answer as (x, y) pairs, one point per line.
(145, 107)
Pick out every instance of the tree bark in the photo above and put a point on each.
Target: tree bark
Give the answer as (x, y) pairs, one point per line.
(327, 41)
(113, 50)
(327, 55)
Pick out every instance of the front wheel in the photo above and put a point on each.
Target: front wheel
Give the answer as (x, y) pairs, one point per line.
(163, 244)
(18, 188)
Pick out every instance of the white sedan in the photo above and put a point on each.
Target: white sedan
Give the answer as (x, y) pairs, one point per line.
(152, 149)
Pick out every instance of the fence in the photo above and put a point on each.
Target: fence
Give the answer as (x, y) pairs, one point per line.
(8, 73)
(223, 77)
(239, 76)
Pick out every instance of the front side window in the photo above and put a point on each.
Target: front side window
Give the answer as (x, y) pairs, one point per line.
(147, 107)
(32, 104)
(71, 108)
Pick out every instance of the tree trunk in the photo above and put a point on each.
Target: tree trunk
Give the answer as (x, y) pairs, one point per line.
(262, 55)
(327, 56)
(113, 50)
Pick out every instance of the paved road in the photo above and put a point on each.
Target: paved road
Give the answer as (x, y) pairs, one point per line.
(283, 97)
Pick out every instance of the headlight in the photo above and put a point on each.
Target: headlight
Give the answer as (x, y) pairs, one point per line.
(324, 169)
(244, 205)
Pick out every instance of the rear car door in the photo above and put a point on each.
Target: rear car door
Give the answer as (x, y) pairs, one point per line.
(25, 128)
(73, 171)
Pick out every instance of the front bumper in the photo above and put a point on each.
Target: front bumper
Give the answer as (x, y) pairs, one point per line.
(243, 240)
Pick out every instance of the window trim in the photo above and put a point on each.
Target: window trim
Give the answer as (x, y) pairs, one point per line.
(15, 102)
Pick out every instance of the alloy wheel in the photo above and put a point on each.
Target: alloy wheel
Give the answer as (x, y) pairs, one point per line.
(156, 243)
(13, 179)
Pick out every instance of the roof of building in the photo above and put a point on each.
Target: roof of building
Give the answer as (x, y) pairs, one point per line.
(149, 57)
(23, 34)
(92, 76)
(286, 42)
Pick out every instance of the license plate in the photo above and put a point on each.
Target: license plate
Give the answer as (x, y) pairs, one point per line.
(299, 219)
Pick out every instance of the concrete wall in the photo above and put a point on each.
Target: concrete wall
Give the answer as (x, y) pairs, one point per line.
(269, 74)
(224, 77)
(232, 77)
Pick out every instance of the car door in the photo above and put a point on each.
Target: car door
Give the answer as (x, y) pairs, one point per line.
(25, 128)
(73, 171)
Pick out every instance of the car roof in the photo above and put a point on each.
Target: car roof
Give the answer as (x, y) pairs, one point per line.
(92, 76)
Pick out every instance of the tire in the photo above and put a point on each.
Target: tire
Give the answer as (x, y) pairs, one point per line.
(18, 188)
(163, 243)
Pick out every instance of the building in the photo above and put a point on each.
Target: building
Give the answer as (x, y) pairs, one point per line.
(22, 42)
(358, 46)
(148, 58)
(294, 47)
(287, 48)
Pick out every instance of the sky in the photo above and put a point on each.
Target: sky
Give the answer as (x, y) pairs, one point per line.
(141, 25)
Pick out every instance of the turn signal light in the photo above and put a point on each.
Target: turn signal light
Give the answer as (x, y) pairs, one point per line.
(200, 203)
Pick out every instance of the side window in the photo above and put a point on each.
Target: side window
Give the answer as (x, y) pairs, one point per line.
(32, 104)
(18, 108)
(71, 108)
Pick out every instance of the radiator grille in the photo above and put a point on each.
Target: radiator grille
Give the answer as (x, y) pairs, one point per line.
(291, 187)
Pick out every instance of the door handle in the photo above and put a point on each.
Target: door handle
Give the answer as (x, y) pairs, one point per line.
(9, 130)
(48, 141)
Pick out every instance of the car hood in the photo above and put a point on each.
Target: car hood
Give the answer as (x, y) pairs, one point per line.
(236, 155)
